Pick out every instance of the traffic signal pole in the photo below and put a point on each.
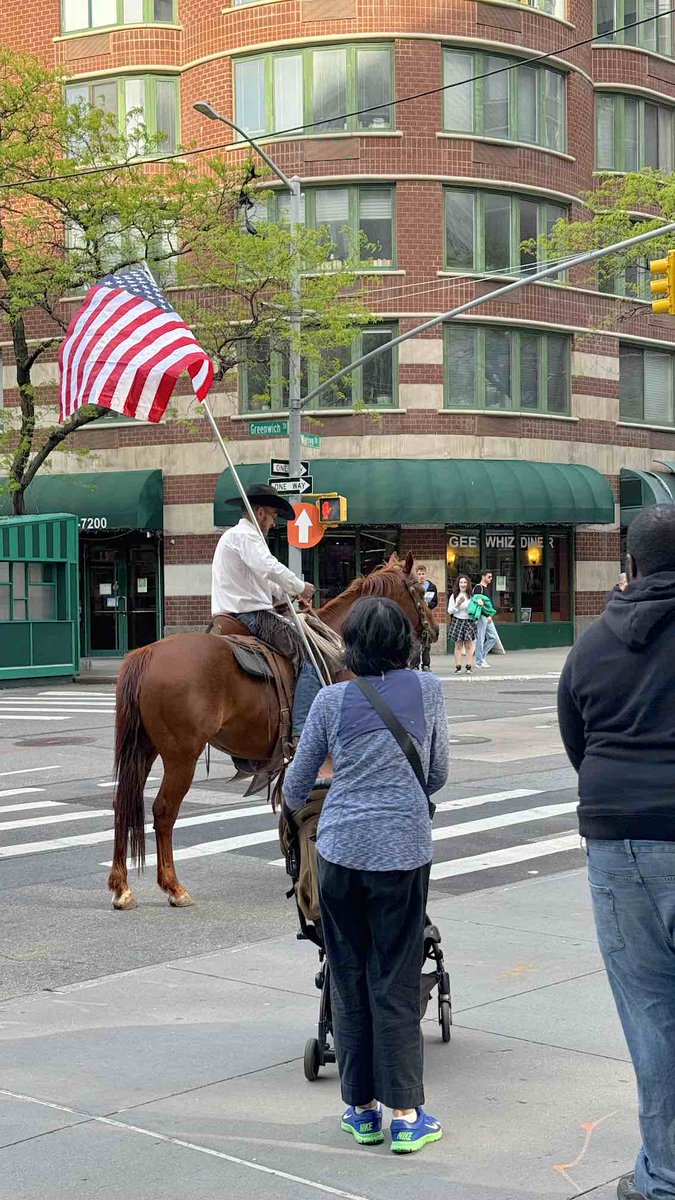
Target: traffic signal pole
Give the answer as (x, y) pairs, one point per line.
(566, 264)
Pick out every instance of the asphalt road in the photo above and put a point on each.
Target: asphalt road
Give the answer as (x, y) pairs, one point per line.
(507, 814)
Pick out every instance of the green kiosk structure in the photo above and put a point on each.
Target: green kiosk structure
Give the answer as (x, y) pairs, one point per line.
(39, 604)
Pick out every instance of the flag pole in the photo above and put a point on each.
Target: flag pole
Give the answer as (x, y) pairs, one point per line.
(247, 505)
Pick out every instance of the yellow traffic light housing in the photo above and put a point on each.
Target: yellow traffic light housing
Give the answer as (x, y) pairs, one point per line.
(332, 508)
(664, 287)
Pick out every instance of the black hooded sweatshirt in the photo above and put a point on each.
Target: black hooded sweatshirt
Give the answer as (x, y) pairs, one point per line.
(616, 707)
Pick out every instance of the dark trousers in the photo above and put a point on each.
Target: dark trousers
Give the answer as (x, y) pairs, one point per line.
(423, 654)
(373, 926)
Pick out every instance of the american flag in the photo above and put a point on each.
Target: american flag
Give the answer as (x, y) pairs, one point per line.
(125, 349)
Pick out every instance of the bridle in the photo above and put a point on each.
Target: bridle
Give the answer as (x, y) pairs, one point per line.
(421, 610)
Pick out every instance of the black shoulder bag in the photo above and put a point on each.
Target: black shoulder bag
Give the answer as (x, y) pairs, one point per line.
(396, 729)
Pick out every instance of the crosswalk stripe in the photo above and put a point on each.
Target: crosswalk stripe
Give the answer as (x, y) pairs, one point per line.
(30, 717)
(7, 808)
(42, 708)
(85, 695)
(24, 791)
(107, 835)
(28, 771)
(487, 798)
(221, 846)
(503, 858)
(49, 701)
(465, 828)
(55, 819)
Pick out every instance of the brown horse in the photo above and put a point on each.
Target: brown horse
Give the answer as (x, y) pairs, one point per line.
(175, 696)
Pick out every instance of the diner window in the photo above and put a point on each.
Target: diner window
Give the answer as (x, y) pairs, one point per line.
(655, 34)
(632, 133)
(485, 231)
(27, 591)
(559, 573)
(492, 96)
(264, 376)
(507, 369)
(342, 555)
(462, 556)
(96, 14)
(143, 107)
(316, 88)
(500, 558)
(359, 220)
(531, 559)
(646, 385)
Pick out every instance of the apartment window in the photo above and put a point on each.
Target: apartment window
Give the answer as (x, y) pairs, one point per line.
(118, 249)
(632, 133)
(655, 35)
(484, 231)
(316, 87)
(96, 14)
(646, 385)
(632, 281)
(142, 106)
(554, 8)
(264, 375)
(517, 103)
(359, 220)
(507, 369)
(27, 591)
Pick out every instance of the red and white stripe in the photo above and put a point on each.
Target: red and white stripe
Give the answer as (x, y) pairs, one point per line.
(124, 353)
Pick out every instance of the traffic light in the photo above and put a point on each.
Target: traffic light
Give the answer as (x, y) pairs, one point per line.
(665, 287)
(332, 508)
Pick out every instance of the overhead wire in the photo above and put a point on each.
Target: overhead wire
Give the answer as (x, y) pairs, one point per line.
(300, 129)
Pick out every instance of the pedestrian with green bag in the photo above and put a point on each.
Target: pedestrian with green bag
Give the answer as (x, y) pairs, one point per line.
(484, 610)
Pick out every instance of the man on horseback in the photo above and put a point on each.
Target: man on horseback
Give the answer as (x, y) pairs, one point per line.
(248, 582)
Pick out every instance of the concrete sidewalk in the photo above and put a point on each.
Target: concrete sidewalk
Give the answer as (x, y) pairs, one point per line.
(186, 1078)
(532, 664)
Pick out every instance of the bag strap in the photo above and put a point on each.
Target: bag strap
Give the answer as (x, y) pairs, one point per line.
(402, 737)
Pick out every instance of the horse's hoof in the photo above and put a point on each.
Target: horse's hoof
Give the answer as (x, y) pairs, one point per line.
(125, 899)
(183, 900)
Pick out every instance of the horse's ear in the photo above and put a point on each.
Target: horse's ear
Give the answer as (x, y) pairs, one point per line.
(409, 562)
(393, 559)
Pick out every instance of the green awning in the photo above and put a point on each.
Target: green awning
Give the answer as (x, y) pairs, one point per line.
(123, 499)
(665, 462)
(449, 491)
(641, 489)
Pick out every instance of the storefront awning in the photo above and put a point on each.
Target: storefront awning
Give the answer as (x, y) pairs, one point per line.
(121, 499)
(449, 491)
(640, 489)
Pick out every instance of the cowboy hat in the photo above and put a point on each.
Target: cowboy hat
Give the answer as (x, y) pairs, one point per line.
(262, 493)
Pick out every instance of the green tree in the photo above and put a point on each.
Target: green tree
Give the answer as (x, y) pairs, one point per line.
(79, 198)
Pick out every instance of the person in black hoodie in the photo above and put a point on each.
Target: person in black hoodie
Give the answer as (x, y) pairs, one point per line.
(616, 708)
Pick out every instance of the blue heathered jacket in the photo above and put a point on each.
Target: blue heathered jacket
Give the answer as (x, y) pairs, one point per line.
(375, 816)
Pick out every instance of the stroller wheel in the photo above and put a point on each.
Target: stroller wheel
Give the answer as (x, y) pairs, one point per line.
(312, 1061)
(445, 1019)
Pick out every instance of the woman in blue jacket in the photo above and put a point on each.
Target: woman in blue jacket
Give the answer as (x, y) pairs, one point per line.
(374, 855)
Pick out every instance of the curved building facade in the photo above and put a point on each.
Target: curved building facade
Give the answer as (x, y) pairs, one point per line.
(563, 395)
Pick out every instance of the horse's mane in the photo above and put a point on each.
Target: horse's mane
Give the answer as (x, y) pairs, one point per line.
(380, 582)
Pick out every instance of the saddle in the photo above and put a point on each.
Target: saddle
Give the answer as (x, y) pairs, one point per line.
(263, 663)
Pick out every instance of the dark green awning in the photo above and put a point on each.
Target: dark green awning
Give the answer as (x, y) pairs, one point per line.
(640, 489)
(449, 491)
(123, 499)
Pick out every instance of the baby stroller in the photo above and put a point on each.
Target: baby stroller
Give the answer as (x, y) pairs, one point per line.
(297, 836)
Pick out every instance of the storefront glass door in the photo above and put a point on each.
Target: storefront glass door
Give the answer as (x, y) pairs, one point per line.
(106, 601)
(142, 596)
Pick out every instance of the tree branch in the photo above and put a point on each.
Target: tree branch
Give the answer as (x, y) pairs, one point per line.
(83, 416)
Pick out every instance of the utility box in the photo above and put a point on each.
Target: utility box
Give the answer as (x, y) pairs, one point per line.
(39, 597)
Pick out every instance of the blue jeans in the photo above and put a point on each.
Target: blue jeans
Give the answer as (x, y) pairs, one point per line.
(308, 685)
(485, 638)
(633, 891)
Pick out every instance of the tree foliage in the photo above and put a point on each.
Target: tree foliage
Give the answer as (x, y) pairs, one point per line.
(79, 199)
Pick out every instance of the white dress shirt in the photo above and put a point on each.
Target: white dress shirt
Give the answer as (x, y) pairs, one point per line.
(246, 577)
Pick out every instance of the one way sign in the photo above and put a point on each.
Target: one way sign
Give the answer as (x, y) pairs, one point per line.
(281, 467)
(292, 487)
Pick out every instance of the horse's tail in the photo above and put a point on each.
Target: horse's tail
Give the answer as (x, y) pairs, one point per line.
(133, 753)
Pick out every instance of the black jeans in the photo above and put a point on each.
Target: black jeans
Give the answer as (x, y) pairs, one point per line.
(423, 654)
(373, 926)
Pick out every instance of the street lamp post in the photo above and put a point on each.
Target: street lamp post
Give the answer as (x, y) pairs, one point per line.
(295, 399)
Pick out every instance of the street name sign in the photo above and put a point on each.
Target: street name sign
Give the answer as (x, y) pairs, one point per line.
(311, 441)
(306, 530)
(291, 487)
(281, 467)
(268, 428)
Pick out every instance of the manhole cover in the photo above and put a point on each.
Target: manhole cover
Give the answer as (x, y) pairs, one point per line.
(56, 741)
(465, 740)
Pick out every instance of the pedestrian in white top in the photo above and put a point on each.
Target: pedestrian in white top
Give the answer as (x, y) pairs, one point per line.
(248, 581)
(462, 629)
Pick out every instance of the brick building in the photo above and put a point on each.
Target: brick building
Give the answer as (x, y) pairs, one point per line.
(509, 437)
